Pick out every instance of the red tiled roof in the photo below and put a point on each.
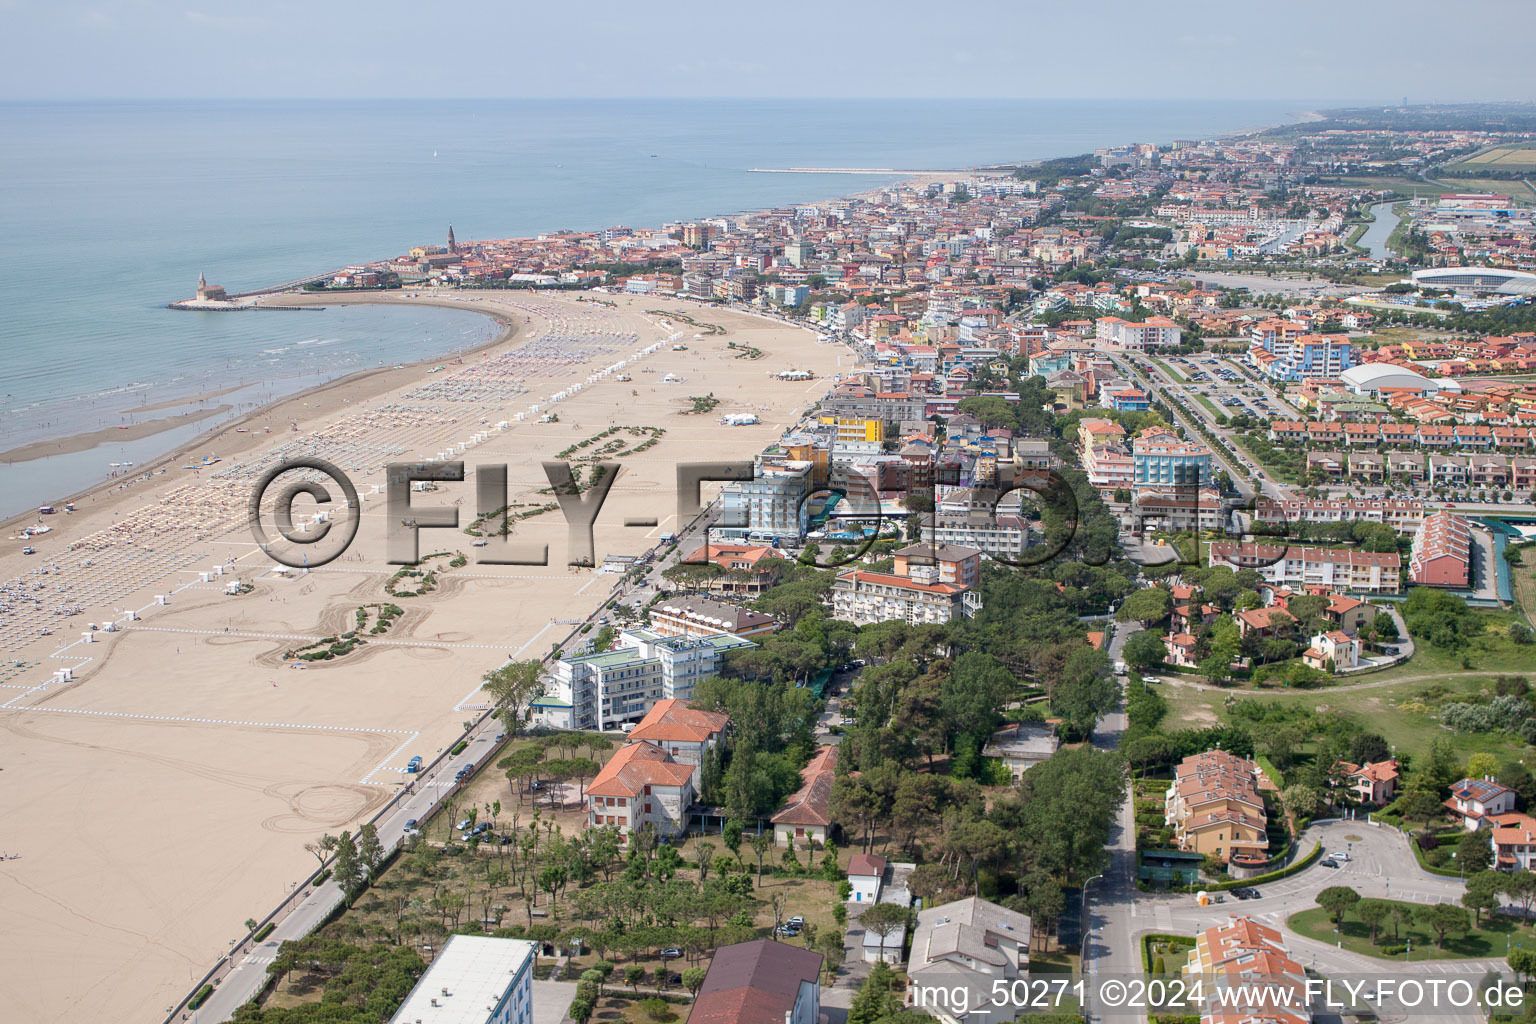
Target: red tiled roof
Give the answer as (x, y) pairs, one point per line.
(674, 720)
(635, 766)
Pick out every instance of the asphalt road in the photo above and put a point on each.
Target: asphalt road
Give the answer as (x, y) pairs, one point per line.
(1231, 457)
(246, 974)
(1228, 459)
(1380, 865)
(1109, 947)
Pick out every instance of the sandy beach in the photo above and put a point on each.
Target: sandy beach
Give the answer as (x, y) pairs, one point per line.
(164, 793)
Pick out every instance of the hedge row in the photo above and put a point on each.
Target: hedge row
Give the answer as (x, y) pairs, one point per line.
(1273, 876)
(458, 748)
(266, 930)
(199, 997)
(321, 877)
(1418, 855)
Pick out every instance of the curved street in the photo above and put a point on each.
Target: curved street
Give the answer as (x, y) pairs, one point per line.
(1381, 865)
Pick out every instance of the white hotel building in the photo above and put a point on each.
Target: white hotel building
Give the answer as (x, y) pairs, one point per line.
(474, 980)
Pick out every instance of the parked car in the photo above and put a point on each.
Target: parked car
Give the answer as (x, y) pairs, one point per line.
(1246, 894)
(797, 921)
(410, 823)
(1330, 863)
(670, 953)
(788, 931)
(1340, 856)
(465, 825)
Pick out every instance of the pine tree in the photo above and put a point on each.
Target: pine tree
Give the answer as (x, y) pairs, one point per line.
(347, 869)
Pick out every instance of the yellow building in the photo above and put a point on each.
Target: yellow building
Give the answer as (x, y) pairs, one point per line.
(1215, 808)
(819, 456)
(858, 431)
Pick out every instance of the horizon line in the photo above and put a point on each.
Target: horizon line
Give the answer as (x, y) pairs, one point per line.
(730, 99)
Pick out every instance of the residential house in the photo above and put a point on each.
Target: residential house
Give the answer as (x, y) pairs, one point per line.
(1181, 650)
(807, 814)
(1333, 650)
(1513, 838)
(1022, 745)
(865, 874)
(1475, 801)
(1373, 784)
(641, 785)
(1215, 807)
(760, 982)
(966, 949)
(1248, 975)
(682, 731)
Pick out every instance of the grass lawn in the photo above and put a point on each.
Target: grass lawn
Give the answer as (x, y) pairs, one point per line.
(1055, 962)
(1171, 373)
(1492, 651)
(1516, 190)
(618, 1004)
(1524, 579)
(1406, 186)
(1516, 154)
(1376, 708)
(1397, 241)
(1210, 405)
(1399, 335)
(1174, 952)
(1493, 939)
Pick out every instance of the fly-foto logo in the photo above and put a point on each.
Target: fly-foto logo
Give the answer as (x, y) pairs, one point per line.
(332, 524)
(848, 508)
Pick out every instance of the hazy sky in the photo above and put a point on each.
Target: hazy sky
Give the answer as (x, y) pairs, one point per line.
(1315, 50)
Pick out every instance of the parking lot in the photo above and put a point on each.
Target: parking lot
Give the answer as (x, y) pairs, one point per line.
(1230, 388)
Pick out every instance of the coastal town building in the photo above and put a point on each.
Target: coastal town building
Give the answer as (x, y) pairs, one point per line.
(968, 947)
(1248, 975)
(684, 732)
(641, 785)
(1299, 566)
(1215, 807)
(700, 617)
(1160, 458)
(760, 982)
(1022, 745)
(806, 816)
(771, 507)
(605, 689)
(1152, 333)
(862, 597)
(474, 979)
(1442, 552)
